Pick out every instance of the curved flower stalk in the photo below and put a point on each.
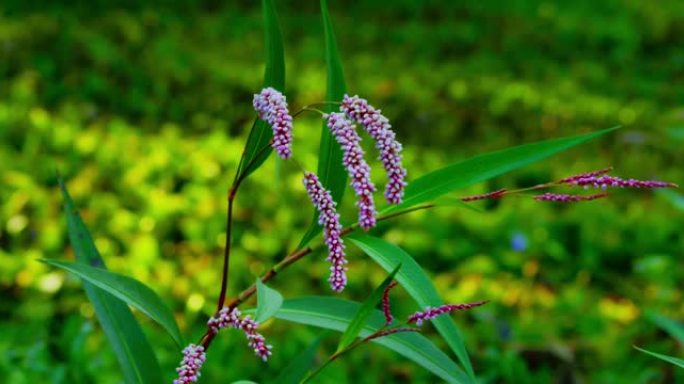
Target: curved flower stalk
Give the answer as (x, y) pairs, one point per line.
(330, 220)
(357, 168)
(231, 318)
(189, 370)
(379, 128)
(386, 309)
(272, 108)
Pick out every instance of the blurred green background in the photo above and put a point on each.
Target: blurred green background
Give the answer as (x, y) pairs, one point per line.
(144, 108)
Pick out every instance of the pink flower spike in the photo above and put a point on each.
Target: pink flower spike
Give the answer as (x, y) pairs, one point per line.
(430, 313)
(271, 106)
(231, 318)
(386, 310)
(564, 198)
(596, 180)
(490, 195)
(189, 369)
(332, 229)
(256, 341)
(572, 179)
(379, 128)
(357, 168)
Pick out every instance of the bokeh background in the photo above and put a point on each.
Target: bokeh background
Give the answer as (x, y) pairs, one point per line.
(144, 109)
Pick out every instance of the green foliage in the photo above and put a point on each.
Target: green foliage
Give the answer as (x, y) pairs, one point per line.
(337, 314)
(268, 302)
(128, 290)
(136, 358)
(146, 109)
(330, 171)
(365, 311)
(414, 279)
(483, 167)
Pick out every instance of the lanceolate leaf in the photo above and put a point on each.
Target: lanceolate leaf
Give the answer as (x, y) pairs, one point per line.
(418, 285)
(134, 353)
(483, 167)
(257, 148)
(336, 314)
(674, 328)
(129, 290)
(669, 359)
(366, 310)
(330, 169)
(268, 302)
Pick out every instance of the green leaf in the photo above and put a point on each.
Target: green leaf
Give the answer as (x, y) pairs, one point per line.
(669, 359)
(367, 309)
(135, 355)
(331, 172)
(129, 290)
(300, 365)
(268, 302)
(674, 328)
(418, 285)
(484, 167)
(336, 314)
(257, 148)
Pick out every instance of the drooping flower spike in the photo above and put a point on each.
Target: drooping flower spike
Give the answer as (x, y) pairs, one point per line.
(379, 128)
(359, 172)
(189, 369)
(565, 198)
(430, 313)
(332, 229)
(231, 318)
(271, 106)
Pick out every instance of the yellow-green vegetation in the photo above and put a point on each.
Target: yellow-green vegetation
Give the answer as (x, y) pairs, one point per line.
(144, 110)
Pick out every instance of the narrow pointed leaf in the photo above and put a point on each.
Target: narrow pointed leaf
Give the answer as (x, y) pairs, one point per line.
(129, 290)
(133, 351)
(484, 167)
(669, 359)
(365, 311)
(257, 148)
(418, 285)
(268, 302)
(331, 172)
(674, 328)
(300, 365)
(336, 314)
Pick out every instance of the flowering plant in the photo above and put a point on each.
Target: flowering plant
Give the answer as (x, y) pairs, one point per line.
(346, 120)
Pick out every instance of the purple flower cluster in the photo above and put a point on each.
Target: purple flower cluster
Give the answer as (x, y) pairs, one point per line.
(231, 318)
(272, 108)
(430, 313)
(565, 198)
(601, 179)
(189, 370)
(332, 229)
(359, 172)
(585, 176)
(379, 128)
(605, 181)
